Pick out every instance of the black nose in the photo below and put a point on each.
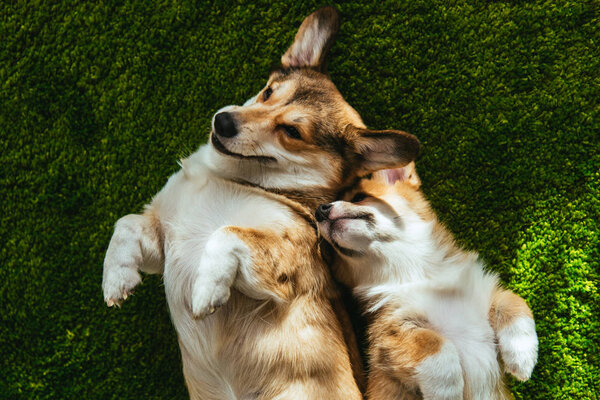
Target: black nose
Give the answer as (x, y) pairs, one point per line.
(225, 125)
(323, 212)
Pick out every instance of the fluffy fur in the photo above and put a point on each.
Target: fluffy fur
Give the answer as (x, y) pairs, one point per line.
(232, 232)
(439, 320)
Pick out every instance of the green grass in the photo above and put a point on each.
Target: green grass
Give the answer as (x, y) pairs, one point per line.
(98, 101)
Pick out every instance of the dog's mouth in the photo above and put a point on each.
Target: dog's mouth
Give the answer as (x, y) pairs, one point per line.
(331, 231)
(344, 250)
(220, 147)
(365, 216)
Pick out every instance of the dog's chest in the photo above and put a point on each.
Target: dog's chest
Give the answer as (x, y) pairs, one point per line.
(193, 209)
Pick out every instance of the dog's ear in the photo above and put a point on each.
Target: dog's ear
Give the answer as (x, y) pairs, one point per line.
(313, 40)
(407, 174)
(376, 150)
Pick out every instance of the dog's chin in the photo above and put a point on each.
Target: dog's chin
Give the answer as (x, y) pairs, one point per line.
(220, 147)
(333, 233)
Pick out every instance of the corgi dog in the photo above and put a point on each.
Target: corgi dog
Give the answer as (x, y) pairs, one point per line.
(438, 319)
(233, 234)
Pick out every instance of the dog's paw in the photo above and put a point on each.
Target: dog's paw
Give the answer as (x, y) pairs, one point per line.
(118, 283)
(208, 296)
(518, 344)
(216, 273)
(440, 376)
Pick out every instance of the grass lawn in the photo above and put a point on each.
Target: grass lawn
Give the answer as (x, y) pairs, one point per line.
(98, 100)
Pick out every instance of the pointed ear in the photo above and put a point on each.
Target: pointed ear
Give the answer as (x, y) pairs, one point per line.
(315, 36)
(378, 150)
(407, 174)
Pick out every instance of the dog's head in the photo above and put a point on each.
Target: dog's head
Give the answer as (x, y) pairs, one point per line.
(298, 133)
(382, 217)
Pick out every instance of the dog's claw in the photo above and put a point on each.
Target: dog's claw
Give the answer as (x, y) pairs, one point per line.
(110, 303)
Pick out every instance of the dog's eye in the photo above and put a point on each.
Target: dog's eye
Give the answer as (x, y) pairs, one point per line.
(291, 132)
(267, 93)
(358, 197)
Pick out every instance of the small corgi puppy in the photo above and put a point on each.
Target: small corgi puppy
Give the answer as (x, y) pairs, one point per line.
(438, 319)
(233, 234)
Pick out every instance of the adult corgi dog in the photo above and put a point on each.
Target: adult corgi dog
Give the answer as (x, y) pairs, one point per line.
(234, 236)
(437, 319)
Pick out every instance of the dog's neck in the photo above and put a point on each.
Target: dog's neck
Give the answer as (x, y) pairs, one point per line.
(310, 198)
(200, 166)
(430, 255)
(308, 192)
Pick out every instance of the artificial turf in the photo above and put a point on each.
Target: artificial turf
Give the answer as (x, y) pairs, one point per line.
(98, 100)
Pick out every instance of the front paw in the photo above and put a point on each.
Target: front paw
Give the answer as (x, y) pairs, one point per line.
(208, 296)
(216, 273)
(118, 283)
(518, 344)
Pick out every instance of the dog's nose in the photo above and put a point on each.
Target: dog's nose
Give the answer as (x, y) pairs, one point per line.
(225, 125)
(323, 212)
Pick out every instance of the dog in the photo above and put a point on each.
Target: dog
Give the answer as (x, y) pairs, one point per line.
(437, 319)
(233, 234)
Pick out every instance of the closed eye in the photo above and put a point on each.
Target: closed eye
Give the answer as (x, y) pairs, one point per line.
(358, 197)
(291, 131)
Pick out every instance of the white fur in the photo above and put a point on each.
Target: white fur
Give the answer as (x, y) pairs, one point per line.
(519, 347)
(440, 376)
(201, 261)
(131, 248)
(223, 254)
(410, 270)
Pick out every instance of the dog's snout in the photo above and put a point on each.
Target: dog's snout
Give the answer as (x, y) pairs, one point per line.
(225, 125)
(323, 212)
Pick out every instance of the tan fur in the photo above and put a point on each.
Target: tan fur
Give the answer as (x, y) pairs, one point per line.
(506, 307)
(326, 21)
(285, 264)
(384, 386)
(260, 325)
(290, 266)
(399, 342)
(398, 346)
(409, 190)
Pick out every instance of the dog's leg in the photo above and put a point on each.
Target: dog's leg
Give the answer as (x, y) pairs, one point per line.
(136, 244)
(223, 255)
(384, 386)
(261, 264)
(415, 357)
(513, 324)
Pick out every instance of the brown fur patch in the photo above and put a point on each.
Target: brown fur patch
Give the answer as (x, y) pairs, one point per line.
(418, 203)
(506, 308)
(398, 346)
(279, 264)
(382, 386)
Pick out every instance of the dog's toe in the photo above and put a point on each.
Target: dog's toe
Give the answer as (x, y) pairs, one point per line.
(118, 284)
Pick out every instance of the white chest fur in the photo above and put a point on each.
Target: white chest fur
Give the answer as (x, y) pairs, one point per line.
(193, 205)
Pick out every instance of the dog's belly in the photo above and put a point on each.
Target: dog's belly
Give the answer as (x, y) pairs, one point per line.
(191, 210)
(460, 314)
(211, 369)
